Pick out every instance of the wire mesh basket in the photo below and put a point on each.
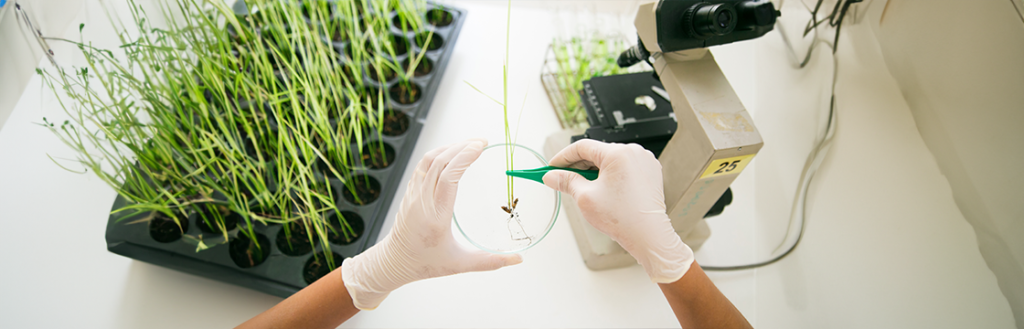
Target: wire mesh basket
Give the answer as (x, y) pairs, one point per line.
(569, 62)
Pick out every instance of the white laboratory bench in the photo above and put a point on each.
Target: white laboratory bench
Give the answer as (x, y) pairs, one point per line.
(885, 246)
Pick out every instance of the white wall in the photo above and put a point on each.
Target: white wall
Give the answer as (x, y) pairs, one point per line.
(960, 67)
(21, 52)
(887, 244)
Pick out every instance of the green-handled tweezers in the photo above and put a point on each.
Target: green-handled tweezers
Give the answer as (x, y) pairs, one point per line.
(537, 174)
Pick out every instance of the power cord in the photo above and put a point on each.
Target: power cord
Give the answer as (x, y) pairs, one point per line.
(823, 141)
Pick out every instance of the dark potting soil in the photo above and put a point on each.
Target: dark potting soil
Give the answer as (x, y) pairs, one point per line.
(388, 73)
(321, 166)
(351, 47)
(337, 235)
(435, 41)
(399, 43)
(424, 67)
(249, 145)
(439, 17)
(321, 143)
(317, 266)
(335, 103)
(247, 253)
(339, 36)
(395, 123)
(309, 8)
(265, 212)
(164, 229)
(371, 96)
(207, 222)
(371, 156)
(296, 242)
(401, 22)
(405, 93)
(278, 61)
(349, 50)
(348, 73)
(322, 194)
(323, 188)
(367, 189)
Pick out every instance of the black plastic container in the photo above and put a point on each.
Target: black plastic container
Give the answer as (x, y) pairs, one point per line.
(281, 274)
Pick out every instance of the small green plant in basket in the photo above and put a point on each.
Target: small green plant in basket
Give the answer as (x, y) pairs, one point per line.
(568, 63)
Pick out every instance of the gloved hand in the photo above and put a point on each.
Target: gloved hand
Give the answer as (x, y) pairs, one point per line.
(420, 244)
(626, 202)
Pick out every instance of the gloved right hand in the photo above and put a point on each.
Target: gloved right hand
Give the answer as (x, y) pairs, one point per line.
(626, 202)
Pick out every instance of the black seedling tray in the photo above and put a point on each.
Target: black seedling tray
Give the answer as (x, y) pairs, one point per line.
(281, 274)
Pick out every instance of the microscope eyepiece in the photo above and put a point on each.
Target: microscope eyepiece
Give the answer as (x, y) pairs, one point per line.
(711, 20)
(689, 24)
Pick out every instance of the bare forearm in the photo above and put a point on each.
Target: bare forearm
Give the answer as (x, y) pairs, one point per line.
(323, 304)
(697, 303)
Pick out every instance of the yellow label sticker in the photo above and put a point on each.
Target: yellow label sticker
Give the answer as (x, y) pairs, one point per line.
(727, 166)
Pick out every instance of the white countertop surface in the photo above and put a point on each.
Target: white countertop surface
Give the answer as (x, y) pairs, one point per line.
(885, 245)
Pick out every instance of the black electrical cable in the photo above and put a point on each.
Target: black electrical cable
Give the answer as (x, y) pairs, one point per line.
(817, 155)
(838, 23)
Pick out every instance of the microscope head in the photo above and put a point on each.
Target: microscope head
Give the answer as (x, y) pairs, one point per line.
(676, 25)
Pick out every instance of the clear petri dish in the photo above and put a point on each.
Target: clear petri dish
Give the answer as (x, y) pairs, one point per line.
(483, 191)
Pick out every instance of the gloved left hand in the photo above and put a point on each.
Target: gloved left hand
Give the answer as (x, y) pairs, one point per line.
(420, 244)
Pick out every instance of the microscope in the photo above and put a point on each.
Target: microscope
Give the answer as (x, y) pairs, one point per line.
(706, 139)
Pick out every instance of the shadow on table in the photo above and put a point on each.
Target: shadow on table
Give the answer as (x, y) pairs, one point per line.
(156, 297)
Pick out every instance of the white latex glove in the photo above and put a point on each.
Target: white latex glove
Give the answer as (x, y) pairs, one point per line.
(626, 202)
(420, 244)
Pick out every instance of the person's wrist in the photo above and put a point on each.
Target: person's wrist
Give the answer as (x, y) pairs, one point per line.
(369, 278)
(670, 263)
(661, 252)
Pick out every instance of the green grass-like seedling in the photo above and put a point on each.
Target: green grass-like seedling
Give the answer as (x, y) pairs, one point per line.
(247, 115)
(574, 60)
(510, 139)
